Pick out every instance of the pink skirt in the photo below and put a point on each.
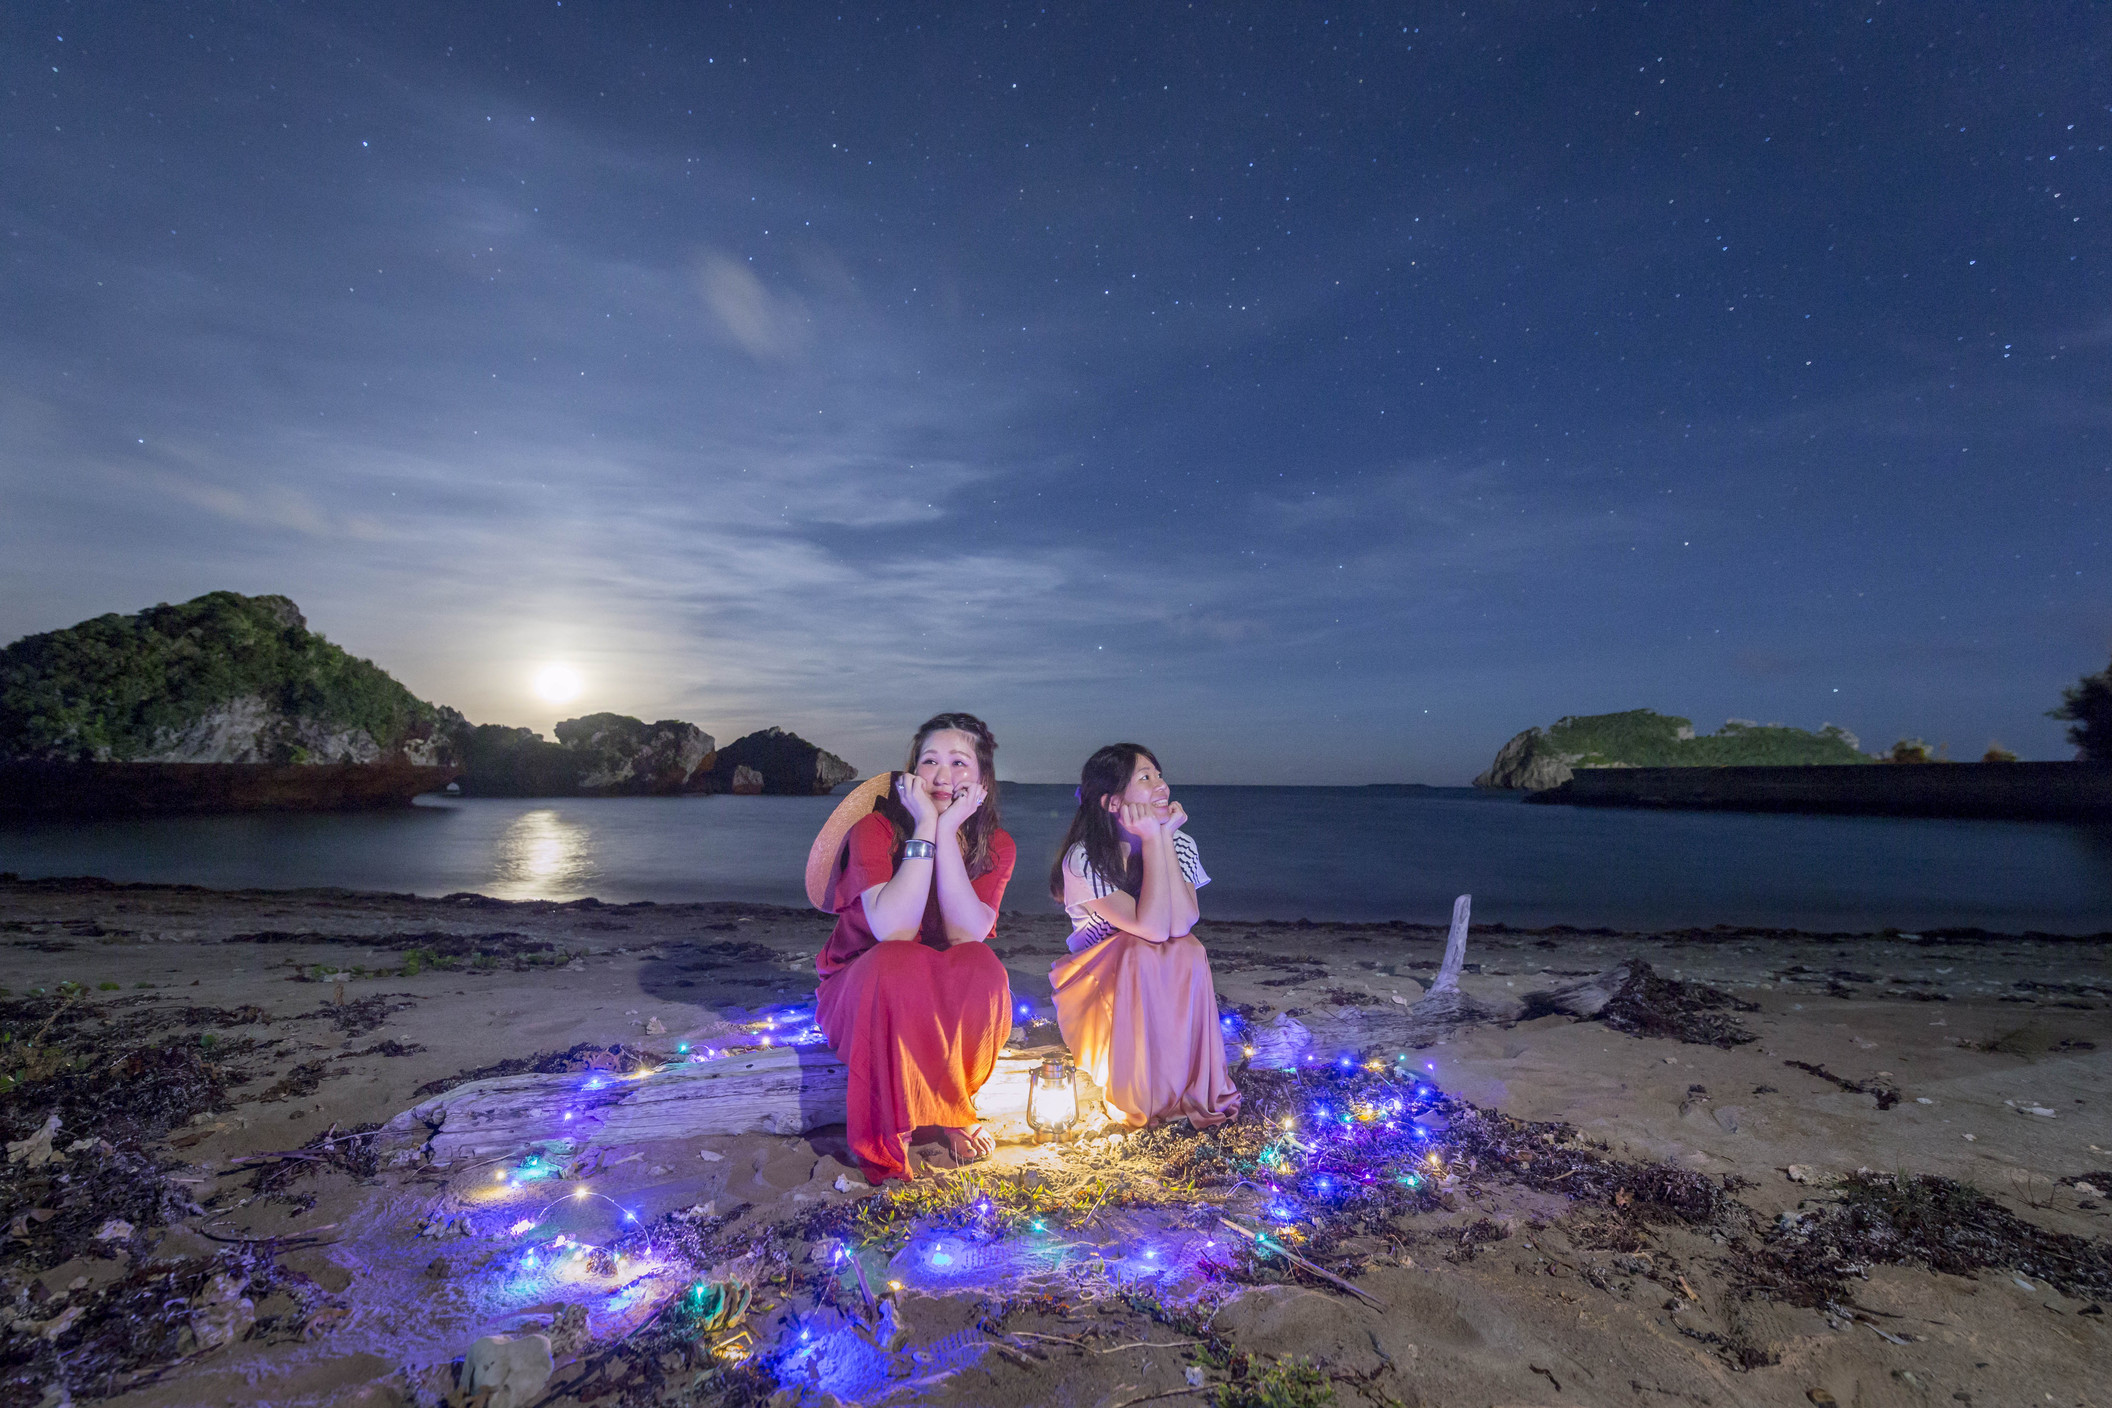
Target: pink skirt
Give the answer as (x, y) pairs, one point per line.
(1141, 1019)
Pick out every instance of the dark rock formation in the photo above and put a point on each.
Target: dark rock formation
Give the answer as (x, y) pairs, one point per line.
(1527, 761)
(2014, 791)
(498, 761)
(619, 756)
(600, 755)
(790, 766)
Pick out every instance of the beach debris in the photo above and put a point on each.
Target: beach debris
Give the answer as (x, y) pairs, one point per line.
(1633, 997)
(568, 1332)
(35, 1151)
(1193, 1373)
(710, 1156)
(513, 1370)
(220, 1313)
(58, 1324)
(1801, 1173)
(114, 1229)
(655, 1027)
(1885, 1095)
(842, 1183)
(1269, 1246)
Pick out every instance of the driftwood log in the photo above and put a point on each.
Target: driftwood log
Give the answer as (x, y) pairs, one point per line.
(1583, 999)
(781, 1090)
(790, 1090)
(1286, 1042)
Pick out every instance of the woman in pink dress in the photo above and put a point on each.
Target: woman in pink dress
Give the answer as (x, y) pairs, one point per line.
(1135, 1000)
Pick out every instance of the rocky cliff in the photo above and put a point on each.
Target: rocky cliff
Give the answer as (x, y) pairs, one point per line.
(220, 679)
(788, 765)
(236, 682)
(1540, 758)
(623, 756)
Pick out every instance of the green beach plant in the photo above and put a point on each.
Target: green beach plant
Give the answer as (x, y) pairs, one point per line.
(2086, 705)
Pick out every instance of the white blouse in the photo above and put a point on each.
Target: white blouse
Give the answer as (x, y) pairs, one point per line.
(1088, 928)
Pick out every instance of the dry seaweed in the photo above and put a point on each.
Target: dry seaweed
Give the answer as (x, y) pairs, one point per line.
(585, 1056)
(362, 1014)
(1916, 1220)
(1648, 1004)
(503, 943)
(64, 1209)
(131, 1331)
(1887, 1097)
(348, 1151)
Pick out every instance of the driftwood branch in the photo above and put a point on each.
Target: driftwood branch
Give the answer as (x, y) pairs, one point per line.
(1335, 1032)
(1266, 1246)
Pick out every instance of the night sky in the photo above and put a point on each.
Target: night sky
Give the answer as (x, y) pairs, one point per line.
(1317, 394)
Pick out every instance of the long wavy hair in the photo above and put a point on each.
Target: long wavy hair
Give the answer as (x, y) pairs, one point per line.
(1104, 775)
(978, 829)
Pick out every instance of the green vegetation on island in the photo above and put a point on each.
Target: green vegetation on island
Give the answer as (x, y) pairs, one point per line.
(223, 678)
(1540, 758)
(2086, 706)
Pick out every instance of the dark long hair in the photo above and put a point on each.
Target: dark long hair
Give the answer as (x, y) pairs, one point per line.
(1104, 775)
(978, 829)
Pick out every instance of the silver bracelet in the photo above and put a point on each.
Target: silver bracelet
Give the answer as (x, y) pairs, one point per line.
(918, 850)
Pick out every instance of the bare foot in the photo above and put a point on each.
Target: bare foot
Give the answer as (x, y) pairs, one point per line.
(970, 1145)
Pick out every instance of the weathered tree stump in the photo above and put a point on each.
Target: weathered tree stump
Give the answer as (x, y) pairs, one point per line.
(1583, 999)
(1332, 1033)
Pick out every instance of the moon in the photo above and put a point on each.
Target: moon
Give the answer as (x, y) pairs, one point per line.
(557, 683)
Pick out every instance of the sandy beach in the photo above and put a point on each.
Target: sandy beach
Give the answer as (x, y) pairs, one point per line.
(1977, 1058)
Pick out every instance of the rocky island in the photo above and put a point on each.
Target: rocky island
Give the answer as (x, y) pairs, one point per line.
(1541, 758)
(1641, 758)
(230, 703)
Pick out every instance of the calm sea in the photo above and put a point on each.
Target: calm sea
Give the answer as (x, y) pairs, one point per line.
(1274, 853)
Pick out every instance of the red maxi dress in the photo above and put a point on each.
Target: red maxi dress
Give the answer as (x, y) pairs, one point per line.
(920, 1024)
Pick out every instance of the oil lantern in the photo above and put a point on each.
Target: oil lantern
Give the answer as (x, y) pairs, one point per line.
(1052, 1099)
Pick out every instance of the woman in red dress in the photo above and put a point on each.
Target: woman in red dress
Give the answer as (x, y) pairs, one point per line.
(912, 999)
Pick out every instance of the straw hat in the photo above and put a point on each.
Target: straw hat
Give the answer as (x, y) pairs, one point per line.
(827, 854)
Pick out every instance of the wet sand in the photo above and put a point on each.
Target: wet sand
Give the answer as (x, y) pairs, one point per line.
(1998, 1047)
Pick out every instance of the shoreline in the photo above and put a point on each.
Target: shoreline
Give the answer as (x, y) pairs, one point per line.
(332, 1009)
(759, 909)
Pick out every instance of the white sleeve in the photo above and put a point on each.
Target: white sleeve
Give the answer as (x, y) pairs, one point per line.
(1190, 860)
